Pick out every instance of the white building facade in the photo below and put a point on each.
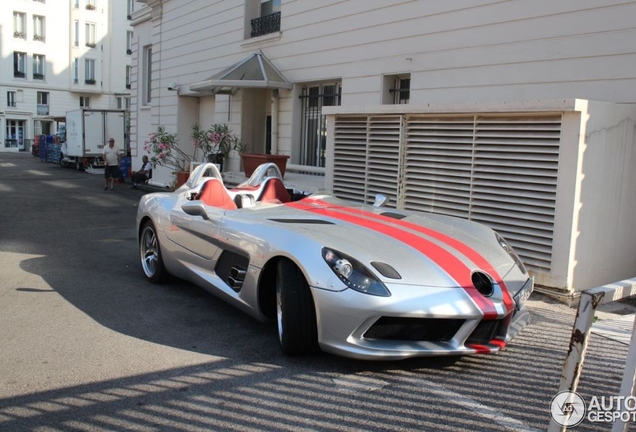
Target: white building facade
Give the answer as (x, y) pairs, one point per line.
(60, 55)
(352, 61)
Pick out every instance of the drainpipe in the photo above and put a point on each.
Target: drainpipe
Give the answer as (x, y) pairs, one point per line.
(274, 121)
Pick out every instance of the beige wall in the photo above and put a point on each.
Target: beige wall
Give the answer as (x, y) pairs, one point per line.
(472, 50)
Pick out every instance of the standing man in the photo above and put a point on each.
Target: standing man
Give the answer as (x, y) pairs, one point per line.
(143, 174)
(111, 156)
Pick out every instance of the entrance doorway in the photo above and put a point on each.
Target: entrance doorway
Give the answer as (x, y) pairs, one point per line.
(15, 134)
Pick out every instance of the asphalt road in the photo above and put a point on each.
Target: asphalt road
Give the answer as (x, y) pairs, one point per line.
(87, 344)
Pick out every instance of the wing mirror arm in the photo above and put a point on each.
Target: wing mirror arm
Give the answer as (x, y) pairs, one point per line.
(195, 208)
(380, 200)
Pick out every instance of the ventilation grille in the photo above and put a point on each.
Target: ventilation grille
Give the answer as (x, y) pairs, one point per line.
(383, 157)
(438, 164)
(514, 182)
(498, 170)
(350, 157)
(366, 157)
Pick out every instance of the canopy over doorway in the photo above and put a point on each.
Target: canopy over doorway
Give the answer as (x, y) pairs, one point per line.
(253, 72)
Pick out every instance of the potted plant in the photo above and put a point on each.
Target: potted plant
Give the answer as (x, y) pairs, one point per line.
(216, 142)
(163, 151)
(252, 160)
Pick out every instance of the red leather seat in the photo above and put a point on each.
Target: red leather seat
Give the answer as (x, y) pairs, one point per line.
(273, 190)
(214, 194)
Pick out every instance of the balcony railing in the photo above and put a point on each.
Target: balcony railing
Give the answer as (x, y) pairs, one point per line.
(38, 76)
(89, 81)
(11, 104)
(19, 35)
(38, 38)
(19, 74)
(91, 44)
(266, 25)
(43, 109)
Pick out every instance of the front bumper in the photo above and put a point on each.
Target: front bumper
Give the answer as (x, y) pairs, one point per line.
(413, 322)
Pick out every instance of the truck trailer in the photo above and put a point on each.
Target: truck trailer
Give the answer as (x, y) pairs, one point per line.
(87, 132)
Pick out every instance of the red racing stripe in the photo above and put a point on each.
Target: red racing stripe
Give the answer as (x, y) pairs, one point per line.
(452, 265)
(464, 249)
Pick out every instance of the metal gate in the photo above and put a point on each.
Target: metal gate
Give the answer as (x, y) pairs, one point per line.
(314, 124)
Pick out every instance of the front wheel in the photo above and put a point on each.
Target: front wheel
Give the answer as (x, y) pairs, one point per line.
(295, 311)
(150, 254)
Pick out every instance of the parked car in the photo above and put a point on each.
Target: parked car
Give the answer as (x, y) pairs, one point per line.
(360, 281)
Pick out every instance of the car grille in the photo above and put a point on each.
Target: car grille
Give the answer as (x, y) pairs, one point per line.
(414, 329)
(486, 331)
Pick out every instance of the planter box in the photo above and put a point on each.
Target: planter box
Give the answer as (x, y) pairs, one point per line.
(181, 178)
(251, 161)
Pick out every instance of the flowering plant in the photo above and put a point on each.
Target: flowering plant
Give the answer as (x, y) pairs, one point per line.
(218, 139)
(164, 151)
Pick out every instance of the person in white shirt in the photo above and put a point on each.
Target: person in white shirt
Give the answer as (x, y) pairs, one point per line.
(111, 156)
(143, 174)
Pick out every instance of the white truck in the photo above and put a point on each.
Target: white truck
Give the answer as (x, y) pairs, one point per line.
(87, 131)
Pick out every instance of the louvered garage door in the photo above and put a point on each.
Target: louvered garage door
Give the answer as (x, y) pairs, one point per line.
(498, 170)
(366, 157)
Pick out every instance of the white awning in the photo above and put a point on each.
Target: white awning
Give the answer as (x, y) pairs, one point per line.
(256, 71)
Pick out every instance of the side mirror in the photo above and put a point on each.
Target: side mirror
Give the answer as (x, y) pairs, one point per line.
(195, 208)
(380, 200)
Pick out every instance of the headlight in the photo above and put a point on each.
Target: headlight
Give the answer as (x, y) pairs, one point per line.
(355, 275)
(506, 246)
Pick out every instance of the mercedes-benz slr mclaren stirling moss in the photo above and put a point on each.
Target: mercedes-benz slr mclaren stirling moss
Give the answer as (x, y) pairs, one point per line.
(360, 281)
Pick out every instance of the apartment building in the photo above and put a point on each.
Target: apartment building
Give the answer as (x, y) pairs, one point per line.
(57, 56)
(471, 108)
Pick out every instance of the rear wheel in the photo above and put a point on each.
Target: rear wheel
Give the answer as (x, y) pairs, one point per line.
(295, 311)
(150, 254)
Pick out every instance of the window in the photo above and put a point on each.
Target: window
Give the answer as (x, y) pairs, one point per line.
(75, 71)
(397, 89)
(11, 99)
(89, 71)
(123, 102)
(38, 28)
(128, 76)
(76, 4)
(19, 64)
(90, 35)
(269, 19)
(129, 42)
(76, 33)
(39, 1)
(43, 103)
(43, 98)
(19, 25)
(39, 62)
(90, 4)
(85, 102)
(147, 75)
(269, 7)
(314, 124)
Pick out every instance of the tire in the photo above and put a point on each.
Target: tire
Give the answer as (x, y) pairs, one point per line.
(295, 311)
(150, 254)
(78, 165)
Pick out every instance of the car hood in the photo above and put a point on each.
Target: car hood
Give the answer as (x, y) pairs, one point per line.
(424, 249)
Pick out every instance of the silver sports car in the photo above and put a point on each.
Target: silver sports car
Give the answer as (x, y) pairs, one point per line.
(367, 282)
